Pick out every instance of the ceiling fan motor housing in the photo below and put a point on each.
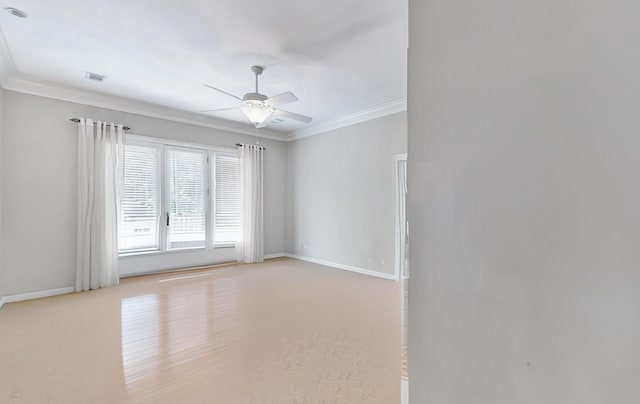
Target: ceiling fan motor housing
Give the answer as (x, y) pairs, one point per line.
(254, 97)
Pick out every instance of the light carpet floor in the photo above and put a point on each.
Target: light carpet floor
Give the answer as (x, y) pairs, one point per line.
(284, 331)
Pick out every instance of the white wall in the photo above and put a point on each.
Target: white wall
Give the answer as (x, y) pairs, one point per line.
(39, 190)
(340, 194)
(6, 65)
(524, 202)
(2, 280)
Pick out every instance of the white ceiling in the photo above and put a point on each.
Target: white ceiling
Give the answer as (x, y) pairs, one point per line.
(337, 56)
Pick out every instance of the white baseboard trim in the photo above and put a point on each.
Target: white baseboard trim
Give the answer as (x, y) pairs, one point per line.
(1, 302)
(404, 391)
(342, 266)
(37, 295)
(277, 255)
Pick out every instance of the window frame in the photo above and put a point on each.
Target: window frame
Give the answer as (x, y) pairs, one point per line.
(167, 197)
(213, 181)
(163, 146)
(160, 201)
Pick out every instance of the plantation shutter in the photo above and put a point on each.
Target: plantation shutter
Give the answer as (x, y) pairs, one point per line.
(227, 223)
(140, 201)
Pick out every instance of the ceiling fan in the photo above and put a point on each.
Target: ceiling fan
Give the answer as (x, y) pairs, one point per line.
(258, 107)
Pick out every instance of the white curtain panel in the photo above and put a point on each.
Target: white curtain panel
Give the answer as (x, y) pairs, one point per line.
(100, 158)
(250, 248)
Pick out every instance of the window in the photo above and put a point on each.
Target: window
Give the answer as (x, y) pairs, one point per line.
(140, 200)
(187, 202)
(227, 223)
(177, 198)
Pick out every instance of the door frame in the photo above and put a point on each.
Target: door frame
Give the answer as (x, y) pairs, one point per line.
(399, 227)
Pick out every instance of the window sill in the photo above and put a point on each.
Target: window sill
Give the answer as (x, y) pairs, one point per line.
(217, 247)
(175, 251)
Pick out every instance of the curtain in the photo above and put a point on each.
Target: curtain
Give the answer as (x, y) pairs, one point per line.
(100, 157)
(250, 248)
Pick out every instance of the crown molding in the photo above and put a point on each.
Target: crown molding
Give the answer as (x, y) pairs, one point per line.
(367, 114)
(85, 97)
(11, 80)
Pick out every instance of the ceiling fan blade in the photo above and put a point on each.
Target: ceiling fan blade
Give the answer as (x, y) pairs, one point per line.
(223, 92)
(283, 98)
(292, 115)
(218, 110)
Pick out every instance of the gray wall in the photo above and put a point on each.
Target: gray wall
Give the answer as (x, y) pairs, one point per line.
(524, 202)
(340, 194)
(39, 189)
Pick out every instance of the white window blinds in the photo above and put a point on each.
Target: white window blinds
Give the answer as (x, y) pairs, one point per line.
(166, 203)
(140, 203)
(227, 224)
(187, 202)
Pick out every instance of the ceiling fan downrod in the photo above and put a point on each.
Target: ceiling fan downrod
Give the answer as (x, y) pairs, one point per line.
(257, 70)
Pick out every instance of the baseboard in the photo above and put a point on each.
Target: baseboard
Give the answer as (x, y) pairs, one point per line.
(272, 256)
(404, 391)
(37, 295)
(61, 291)
(342, 266)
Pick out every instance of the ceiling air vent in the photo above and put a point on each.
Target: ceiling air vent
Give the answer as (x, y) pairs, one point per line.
(16, 12)
(95, 77)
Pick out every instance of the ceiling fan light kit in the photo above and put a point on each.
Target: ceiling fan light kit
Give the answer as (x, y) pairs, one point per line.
(258, 107)
(257, 113)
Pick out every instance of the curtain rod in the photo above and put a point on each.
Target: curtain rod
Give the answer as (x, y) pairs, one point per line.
(77, 120)
(262, 147)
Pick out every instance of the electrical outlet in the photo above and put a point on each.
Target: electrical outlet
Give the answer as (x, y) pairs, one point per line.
(304, 245)
(381, 261)
(369, 260)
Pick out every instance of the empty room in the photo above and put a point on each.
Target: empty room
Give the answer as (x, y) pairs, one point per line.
(425, 201)
(202, 202)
